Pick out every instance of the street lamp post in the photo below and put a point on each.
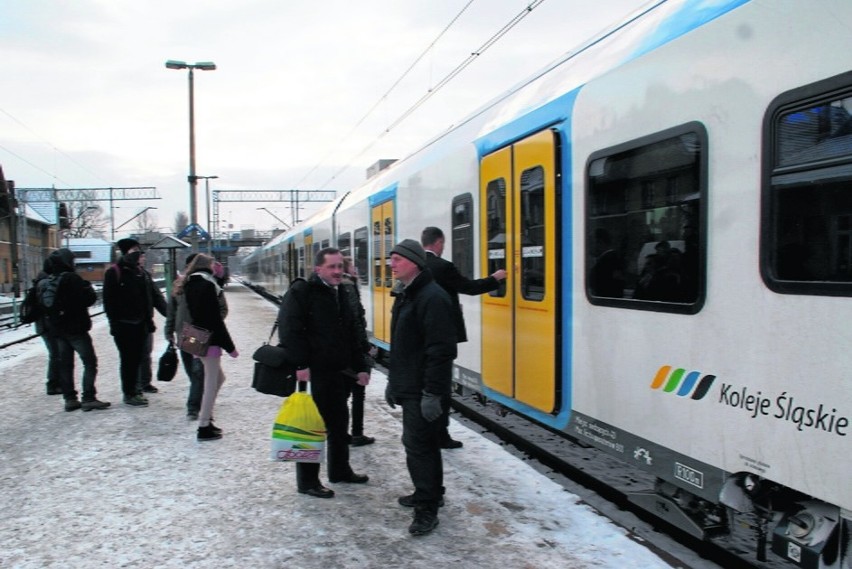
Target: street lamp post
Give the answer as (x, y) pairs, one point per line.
(209, 229)
(193, 179)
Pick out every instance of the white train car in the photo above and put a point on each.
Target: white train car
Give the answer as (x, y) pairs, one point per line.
(673, 203)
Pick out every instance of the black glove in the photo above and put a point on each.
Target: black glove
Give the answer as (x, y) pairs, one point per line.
(430, 406)
(389, 398)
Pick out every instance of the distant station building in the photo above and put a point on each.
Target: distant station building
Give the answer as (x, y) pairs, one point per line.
(92, 257)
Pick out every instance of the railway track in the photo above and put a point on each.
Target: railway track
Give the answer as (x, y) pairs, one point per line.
(603, 483)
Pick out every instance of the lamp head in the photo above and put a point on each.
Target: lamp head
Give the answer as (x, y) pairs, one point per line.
(172, 64)
(205, 66)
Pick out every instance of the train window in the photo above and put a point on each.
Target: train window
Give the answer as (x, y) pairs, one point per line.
(532, 233)
(806, 239)
(359, 255)
(462, 227)
(495, 210)
(300, 271)
(645, 230)
(377, 254)
(344, 243)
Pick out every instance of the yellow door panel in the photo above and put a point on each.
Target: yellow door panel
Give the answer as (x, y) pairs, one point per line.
(382, 228)
(496, 238)
(535, 270)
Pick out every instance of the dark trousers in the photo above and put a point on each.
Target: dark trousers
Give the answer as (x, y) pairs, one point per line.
(330, 392)
(130, 340)
(53, 381)
(145, 374)
(422, 443)
(195, 372)
(358, 396)
(444, 435)
(67, 345)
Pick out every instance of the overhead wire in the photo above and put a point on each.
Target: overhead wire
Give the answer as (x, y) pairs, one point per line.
(384, 97)
(441, 84)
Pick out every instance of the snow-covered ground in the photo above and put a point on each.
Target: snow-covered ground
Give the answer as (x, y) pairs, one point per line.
(129, 487)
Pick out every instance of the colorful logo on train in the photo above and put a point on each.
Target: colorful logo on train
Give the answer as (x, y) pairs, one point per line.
(682, 383)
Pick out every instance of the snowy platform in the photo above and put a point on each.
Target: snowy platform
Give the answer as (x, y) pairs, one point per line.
(129, 487)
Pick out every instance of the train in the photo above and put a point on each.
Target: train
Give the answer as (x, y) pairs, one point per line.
(672, 201)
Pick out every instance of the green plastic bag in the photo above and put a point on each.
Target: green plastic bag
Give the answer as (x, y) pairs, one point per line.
(298, 434)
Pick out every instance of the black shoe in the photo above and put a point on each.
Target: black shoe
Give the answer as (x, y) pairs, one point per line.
(208, 434)
(54, 390)
(72, 405)
(150, 389)
(214, 428)
(408, 501)
(424, 522)
(352, 479)
(450, 443)
(361, 440)
(318, 492)
(136, 401)
(95, 404)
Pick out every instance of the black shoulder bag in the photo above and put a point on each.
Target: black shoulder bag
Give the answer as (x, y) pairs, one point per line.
(273, 373)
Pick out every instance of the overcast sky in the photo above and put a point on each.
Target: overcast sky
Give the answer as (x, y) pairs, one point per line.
(87, 101)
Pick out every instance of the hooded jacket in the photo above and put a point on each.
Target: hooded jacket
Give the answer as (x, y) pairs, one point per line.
(75, 295)
(423, 340)
(130, 296)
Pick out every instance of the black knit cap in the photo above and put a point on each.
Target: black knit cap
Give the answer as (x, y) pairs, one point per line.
(127, 244)
(411, 250)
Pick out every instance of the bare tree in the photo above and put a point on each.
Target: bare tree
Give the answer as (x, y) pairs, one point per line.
(87, 218)
(146, 222)
(181, 221)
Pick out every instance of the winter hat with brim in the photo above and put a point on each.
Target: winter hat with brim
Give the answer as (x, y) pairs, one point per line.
(411, 250)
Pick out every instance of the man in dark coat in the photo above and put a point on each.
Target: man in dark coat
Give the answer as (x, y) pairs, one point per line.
(69, 326)
(451, 280)
(318, 329)
(423, 347)
(129, 299)
(54, 386)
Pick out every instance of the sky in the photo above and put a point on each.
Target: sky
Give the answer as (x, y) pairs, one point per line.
(302, 97)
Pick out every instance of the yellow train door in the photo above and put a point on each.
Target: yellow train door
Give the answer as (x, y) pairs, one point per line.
(519, 233)
(382, 222)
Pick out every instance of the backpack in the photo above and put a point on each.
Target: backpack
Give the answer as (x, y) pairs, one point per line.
(48, 297)
(30, 309)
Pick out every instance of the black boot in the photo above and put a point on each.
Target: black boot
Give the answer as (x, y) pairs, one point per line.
(208, 434)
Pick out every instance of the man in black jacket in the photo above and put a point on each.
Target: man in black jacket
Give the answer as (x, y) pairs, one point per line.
(451, 280)
(68, 323)
(423, 347)
(129, 298)
(318, 329)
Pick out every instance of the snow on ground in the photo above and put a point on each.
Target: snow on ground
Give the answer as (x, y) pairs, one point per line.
(129, 487)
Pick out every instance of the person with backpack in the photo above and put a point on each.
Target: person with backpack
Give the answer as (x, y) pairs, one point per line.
(35, 316)
(129, 299)
(65, 298)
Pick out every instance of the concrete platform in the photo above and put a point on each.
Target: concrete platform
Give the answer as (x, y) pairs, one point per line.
(129, 487)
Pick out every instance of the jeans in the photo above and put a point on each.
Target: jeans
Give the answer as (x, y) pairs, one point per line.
(130, 340)
(67, 345)
(195, 372)
(145, 374)
(422, 443)
(330, 391)
(53, 379)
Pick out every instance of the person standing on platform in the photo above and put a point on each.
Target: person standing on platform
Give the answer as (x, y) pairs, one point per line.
(129, 299)
(203, 301)
(423, 340)
(319, 331)
(177, 314)
(349, 283)
(54, 386)
(451, 280)
(143, 382)
(68, 322)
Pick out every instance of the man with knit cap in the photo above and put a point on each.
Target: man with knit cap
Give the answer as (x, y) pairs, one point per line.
(423, 347)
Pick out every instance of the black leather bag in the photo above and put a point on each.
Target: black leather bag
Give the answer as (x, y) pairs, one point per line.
(273, 373)
(168, 365)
